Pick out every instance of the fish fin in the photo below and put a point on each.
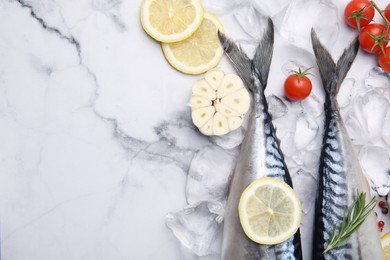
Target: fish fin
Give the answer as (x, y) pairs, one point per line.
(346, 59)
(238, 58)
(261, 62)
(325, 63)
(332, 75)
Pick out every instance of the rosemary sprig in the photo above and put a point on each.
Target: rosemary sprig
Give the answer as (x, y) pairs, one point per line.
(356, 216)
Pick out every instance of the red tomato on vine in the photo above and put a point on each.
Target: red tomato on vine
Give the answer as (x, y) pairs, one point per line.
(384, 60)
(373, 38)
(387, 12)
(297, 86)
(359, 13)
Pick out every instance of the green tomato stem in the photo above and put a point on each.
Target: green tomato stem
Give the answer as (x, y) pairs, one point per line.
(380, 12)
(357, 15)
(301, 73)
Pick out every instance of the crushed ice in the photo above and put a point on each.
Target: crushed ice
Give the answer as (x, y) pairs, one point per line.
(296, 24)
(195, 226)
(276, 106)
(208, 175)
(368, 125)
(375, 159)
(366, 113)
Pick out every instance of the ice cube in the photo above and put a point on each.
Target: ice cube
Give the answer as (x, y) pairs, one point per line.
(289, 150)
(195, 226)
(386, 127)
(306, 130)
(286, 123)
(306, 186)
(270, 8)
(298, 159)
(377, 78)
(287, 144)
(300, 134)
(209, 174)
(215, 253)
(222, 7)
(296, 24)
(311, 160)
(369, 110)
(346, 92)
(276, 107)
(230, 140)
(218, 208)
(375, 162)
(294, 107)
(307, 160)
(266, 8)
(312, 105)
(380, 81)
(355, 131)
(251, 21)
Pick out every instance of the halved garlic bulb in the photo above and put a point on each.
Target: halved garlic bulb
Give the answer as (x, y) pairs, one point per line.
(219, 102)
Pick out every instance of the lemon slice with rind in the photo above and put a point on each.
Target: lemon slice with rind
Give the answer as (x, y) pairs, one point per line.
(385, 241)
(270, 211)
(200, 52)
(171, 20)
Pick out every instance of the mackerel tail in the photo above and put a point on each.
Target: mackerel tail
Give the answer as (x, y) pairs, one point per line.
(340, 176)
(260, 155)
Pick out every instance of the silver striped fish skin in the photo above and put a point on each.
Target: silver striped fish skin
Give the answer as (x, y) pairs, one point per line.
(260, 156)
(340, 175)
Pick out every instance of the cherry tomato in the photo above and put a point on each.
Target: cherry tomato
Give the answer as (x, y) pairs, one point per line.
(384, 60)
(372, 37)
(387, 12)
(358, 13)
(297, 86)
(381, 204)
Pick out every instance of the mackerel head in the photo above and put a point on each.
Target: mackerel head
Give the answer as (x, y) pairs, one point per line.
(340, 176)
(260, 155)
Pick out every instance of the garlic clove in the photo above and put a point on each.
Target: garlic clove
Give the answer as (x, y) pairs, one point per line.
(214, 78)
(207, 129)
(230, 83)
(201, 115)
(203, 89)
(198, 102)
(234, 122)
(239, 101)
(224, 110)
(220, 124)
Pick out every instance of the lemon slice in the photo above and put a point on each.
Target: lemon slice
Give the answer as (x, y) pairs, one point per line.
(200, 52)
(385, 241)
(270, 211)
(171, 20)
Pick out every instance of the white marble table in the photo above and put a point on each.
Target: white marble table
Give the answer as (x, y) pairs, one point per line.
(96, 137)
